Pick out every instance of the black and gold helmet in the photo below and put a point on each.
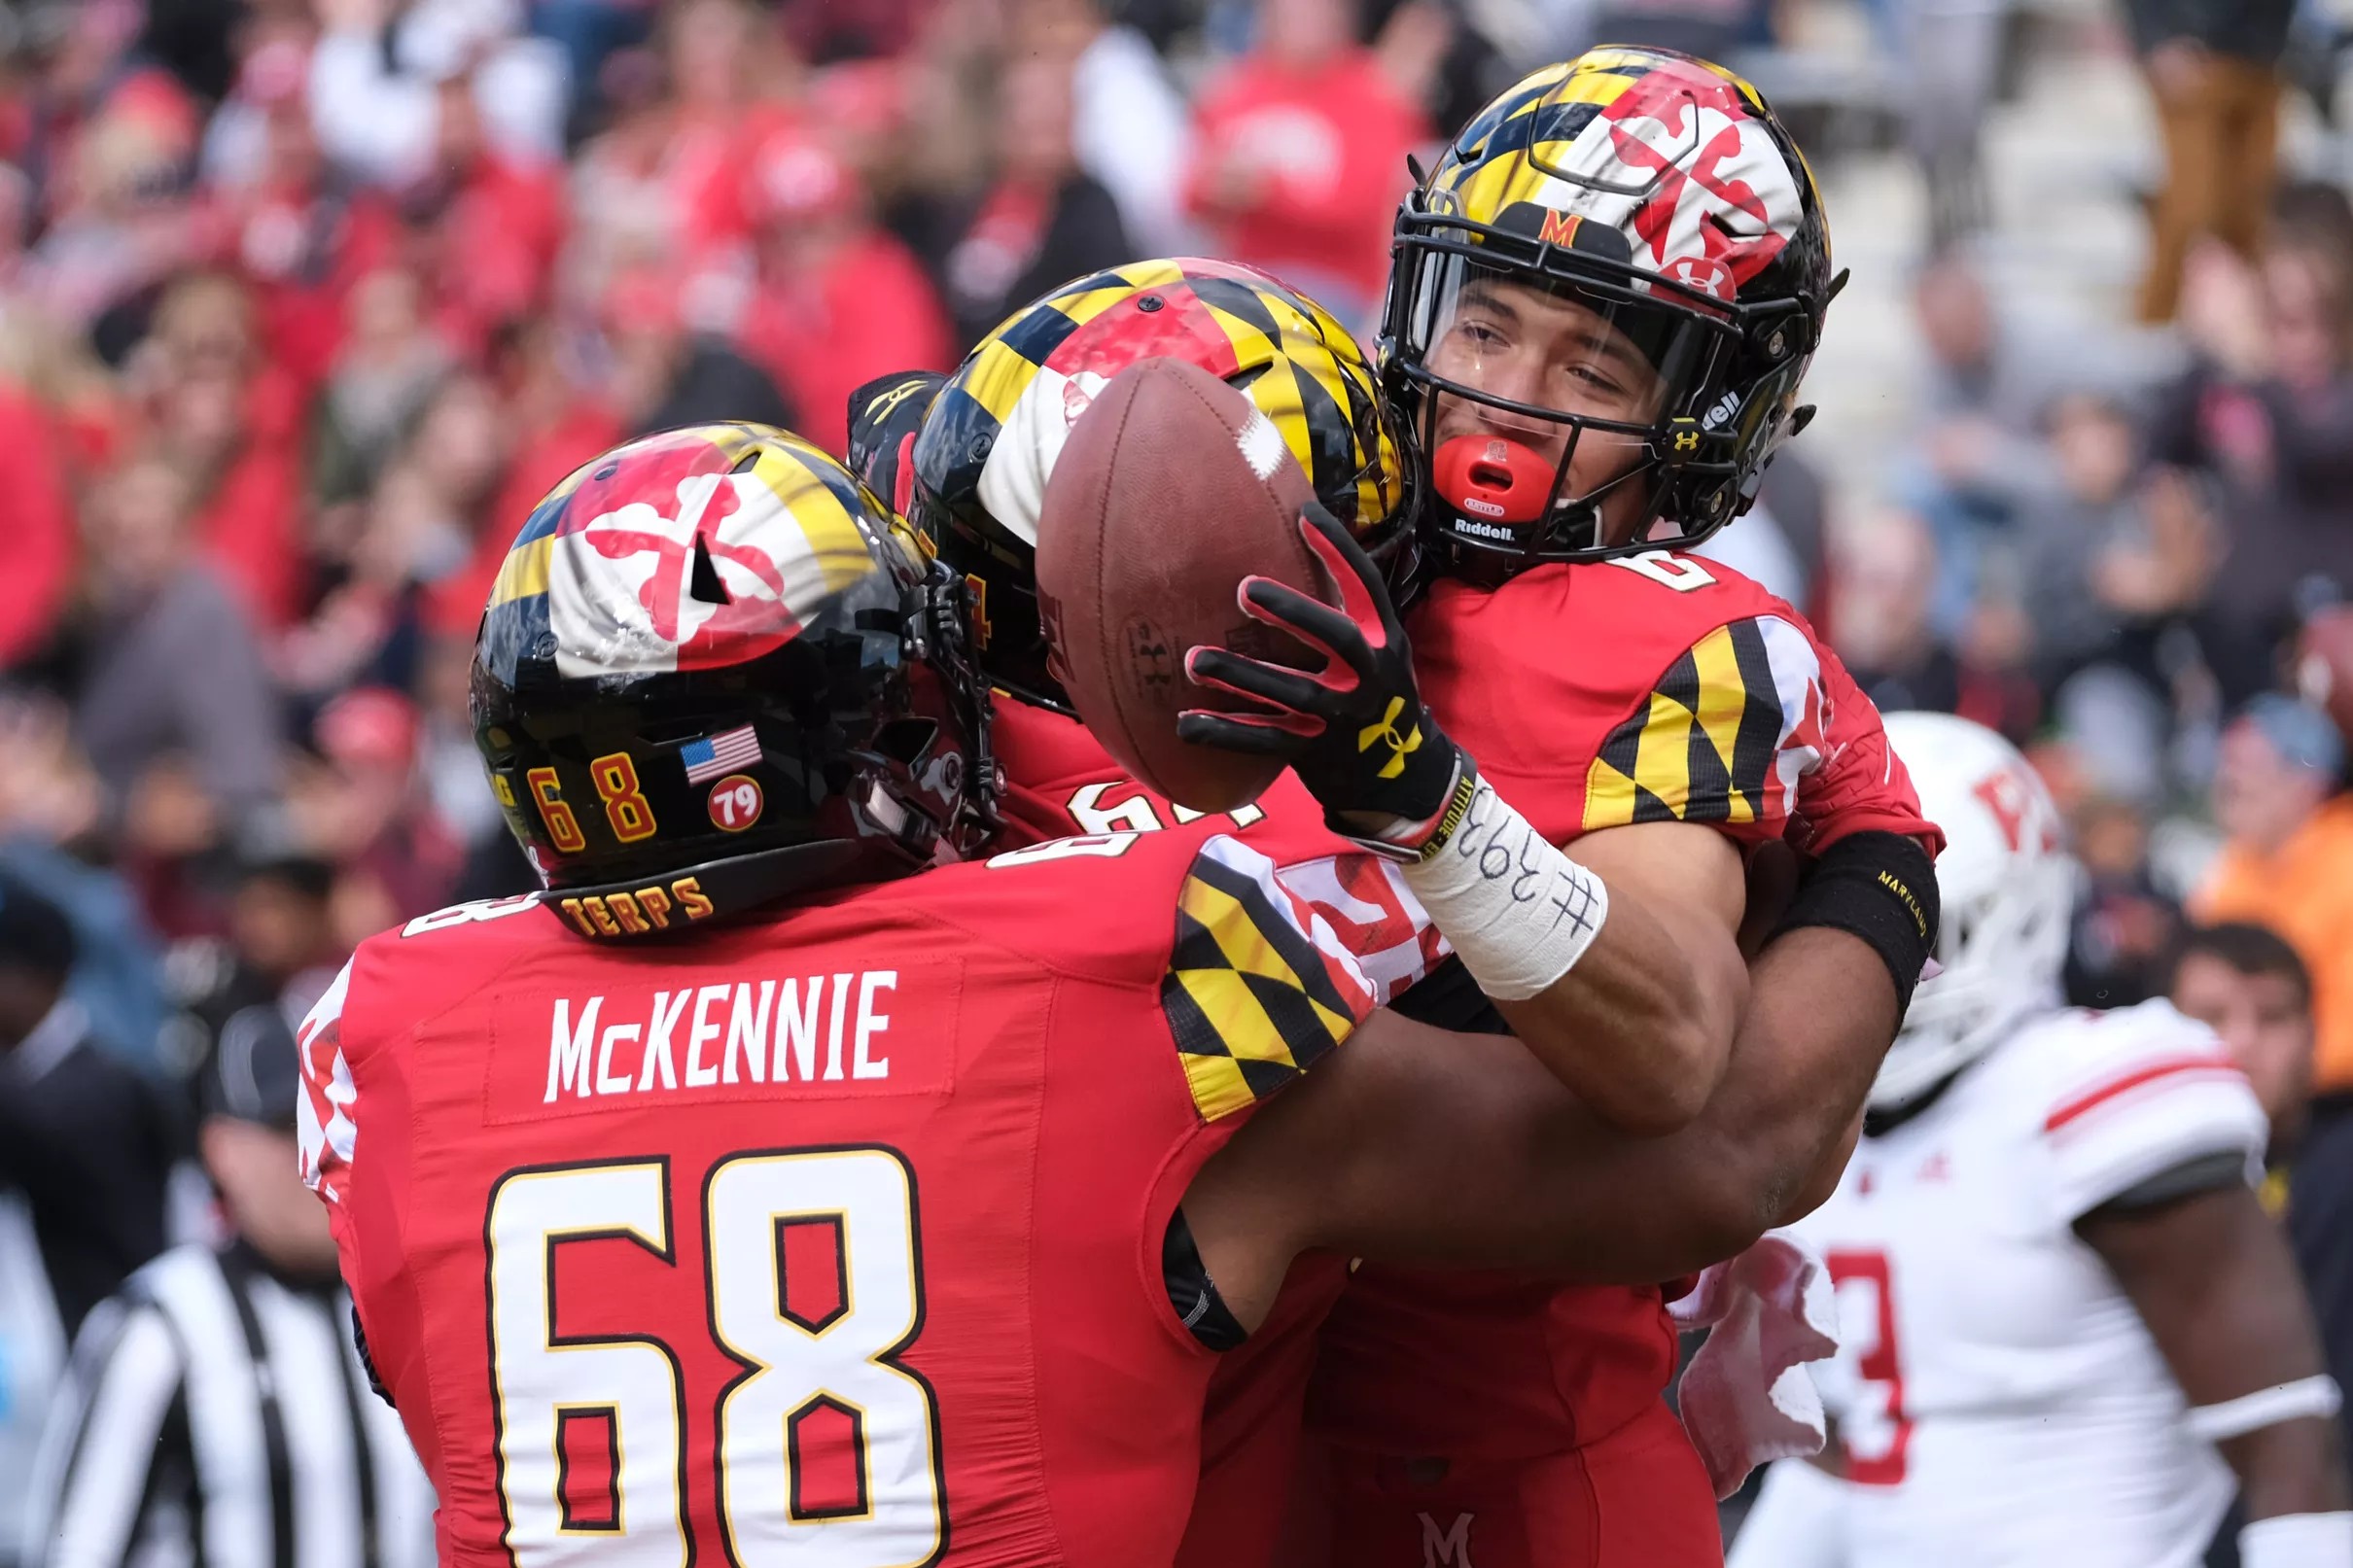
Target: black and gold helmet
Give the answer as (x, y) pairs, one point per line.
(716, 670)
(992, 435)
(1653, 203)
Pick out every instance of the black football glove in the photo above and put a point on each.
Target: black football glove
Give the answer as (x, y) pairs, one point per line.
(1355, 731)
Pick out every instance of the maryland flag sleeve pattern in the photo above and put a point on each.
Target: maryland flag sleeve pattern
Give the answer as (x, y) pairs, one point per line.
(1725, 736)
(1258, 987)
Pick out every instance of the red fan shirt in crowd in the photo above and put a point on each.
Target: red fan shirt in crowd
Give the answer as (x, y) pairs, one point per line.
(842, 1222)
(1326, 150)
(493, 248)
(868, 311)
(251, 520)
(1652, 689)
(539, 463)
(704, 164)
(39, 527)
(302, 250)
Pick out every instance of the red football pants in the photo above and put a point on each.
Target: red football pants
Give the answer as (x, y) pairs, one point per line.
(1638, 1498)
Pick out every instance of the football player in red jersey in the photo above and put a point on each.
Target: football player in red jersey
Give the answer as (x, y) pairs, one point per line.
(742, 1195)
(1605, 296)
(972, 466)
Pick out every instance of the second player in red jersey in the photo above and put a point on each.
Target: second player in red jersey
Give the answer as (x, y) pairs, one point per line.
(1605, 296)
(1577, 1361)
(973, 476)
(1697, 698)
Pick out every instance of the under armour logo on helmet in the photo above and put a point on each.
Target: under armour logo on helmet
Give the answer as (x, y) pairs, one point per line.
(1385, 733)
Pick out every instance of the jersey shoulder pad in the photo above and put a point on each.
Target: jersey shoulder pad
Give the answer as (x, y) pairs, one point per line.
(443, 956)
(1684, 589)
(1721, 732)
(2116, 1098)
(2082, 1060)
(1254, 983)
(1258, 986)
(465, 919)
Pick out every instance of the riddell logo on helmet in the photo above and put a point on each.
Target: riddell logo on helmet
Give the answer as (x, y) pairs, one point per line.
(1479, 530)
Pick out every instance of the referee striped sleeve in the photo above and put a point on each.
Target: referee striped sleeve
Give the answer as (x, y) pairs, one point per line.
(101, 1443)
(305, 1361)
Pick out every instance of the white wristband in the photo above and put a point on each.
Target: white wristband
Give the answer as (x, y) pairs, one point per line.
(2298, 1540)
(1518, 911)
(2317, 1395)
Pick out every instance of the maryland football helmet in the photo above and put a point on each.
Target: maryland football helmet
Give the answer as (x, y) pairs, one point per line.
(716, 670)
(1658, 196)
(991, 437)
(2007, 885)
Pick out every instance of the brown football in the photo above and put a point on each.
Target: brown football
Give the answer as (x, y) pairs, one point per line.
(1171, 489)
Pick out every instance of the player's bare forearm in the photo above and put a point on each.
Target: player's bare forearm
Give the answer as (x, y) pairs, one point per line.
(2213, 1279)
(1413, 1144)
(1772, 1141)
(1821, 1014)
(1643, 1026)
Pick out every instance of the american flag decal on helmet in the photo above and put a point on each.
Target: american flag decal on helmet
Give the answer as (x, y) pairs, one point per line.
(723, 752)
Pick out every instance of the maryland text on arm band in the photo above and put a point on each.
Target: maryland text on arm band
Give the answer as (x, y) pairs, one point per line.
(1518, 912)
(2315, 1396)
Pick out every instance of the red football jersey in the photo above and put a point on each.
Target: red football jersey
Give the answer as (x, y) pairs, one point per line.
(1651, 689)
(832, 1235)
(1658, 687)
(1061, 781)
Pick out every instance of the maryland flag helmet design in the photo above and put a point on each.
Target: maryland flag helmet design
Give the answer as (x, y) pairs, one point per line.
(991, 437)
(1657, 194)
(713, 651)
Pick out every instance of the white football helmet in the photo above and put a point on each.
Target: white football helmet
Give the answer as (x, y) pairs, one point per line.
(2007, 885)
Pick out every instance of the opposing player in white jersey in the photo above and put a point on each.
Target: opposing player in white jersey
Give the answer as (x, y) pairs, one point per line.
(2058, 1297)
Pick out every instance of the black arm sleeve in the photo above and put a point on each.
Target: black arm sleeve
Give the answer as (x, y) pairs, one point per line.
(1880, 888)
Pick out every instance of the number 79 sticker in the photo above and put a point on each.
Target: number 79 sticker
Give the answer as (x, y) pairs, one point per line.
(735, 802)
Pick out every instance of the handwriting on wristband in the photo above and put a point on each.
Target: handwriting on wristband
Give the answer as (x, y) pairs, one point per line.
(1573, 891)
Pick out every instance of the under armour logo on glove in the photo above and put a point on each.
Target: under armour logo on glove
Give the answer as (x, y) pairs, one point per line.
(1387, 730)
(1394, 786)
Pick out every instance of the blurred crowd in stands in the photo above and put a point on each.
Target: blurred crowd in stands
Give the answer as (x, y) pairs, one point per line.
(304, 302)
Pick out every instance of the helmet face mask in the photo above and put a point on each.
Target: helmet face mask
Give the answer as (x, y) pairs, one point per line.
(714, 652)
(1634, 198)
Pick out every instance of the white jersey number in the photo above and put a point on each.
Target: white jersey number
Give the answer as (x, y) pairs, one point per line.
(1677, 572)
(841, 1363)
(1095, 810)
